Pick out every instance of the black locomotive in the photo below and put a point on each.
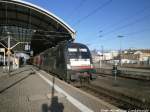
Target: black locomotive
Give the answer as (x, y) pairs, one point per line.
(69, 61)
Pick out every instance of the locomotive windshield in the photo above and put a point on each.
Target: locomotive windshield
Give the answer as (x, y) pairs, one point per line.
(72, 53)
(84, 55)
(78, 53)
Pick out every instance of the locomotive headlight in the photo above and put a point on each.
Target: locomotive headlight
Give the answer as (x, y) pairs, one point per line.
(68, 66)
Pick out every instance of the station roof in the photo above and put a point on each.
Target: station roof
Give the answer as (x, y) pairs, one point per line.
(27, 22)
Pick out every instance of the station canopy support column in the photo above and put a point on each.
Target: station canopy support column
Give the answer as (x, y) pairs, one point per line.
(30, 23)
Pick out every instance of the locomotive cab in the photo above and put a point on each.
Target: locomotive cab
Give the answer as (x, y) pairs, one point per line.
(79, 62)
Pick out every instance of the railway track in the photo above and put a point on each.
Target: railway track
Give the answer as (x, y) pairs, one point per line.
(127, 74)
(114, 98)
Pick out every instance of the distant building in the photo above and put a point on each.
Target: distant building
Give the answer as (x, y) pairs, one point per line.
(106, 56)
(109, 55)
(141, 56)
(131, 56)
(95, 56)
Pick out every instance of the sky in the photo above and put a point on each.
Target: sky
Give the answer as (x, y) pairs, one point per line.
(101, 22)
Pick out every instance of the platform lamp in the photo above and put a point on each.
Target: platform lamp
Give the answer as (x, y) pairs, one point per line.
(101, 47)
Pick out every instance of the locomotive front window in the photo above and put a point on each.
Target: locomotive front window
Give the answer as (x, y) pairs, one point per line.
(72, 55)
(83, 50)
(84, 55)
(80, 53)
(72, 49)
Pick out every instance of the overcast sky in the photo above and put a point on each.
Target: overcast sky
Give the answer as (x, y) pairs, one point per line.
(100, 22)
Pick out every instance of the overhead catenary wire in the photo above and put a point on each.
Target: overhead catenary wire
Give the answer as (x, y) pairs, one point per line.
(126, 25)
(136, 32)
(76, 9)
(127, 18)
(126, 35)
(93, 12)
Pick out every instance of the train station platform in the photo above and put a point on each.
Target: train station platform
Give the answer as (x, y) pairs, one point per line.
(31, 90)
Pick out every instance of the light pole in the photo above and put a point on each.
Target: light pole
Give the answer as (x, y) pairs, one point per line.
(8, 52)
(100, 55)
(9, 48)
(120, 51)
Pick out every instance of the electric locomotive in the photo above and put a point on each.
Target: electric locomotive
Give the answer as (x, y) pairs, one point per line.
(69, 61)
